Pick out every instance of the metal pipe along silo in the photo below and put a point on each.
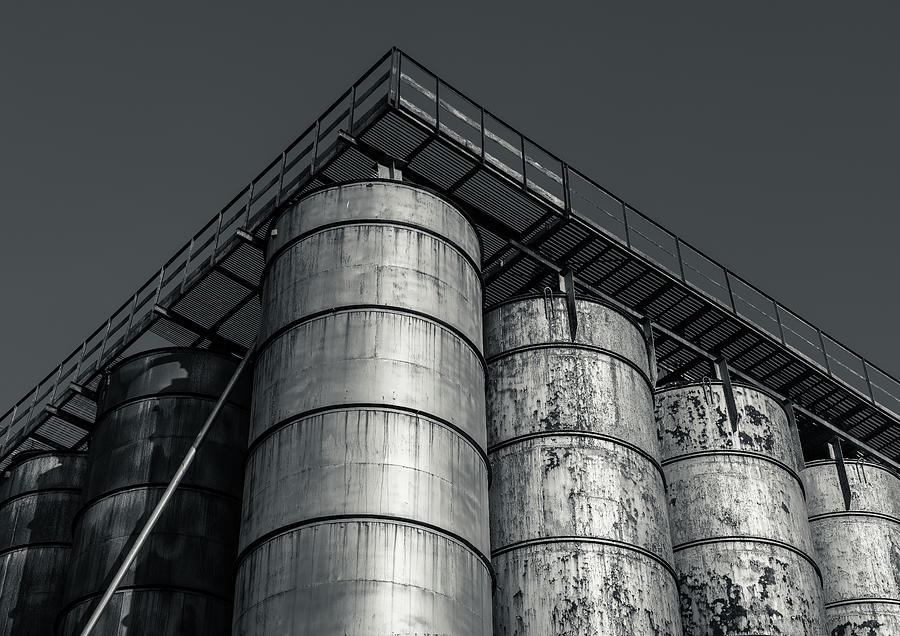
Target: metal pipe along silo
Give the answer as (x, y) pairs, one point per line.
(365, 500)
(579, 528)
(742, 543)
(150, 408)
(859, 548)
(39, 497)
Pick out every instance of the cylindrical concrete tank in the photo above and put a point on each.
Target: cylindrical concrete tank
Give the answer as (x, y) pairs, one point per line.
(742, 544)
(579, 528)
(365, 500)
(39, 497)
(858, 549)
(150, 409)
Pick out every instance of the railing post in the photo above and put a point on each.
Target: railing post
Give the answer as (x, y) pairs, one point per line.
(131, 315)
(9, 426)
(249, 204)
(187, 264)
(103, 343)
(483, 136)
(868, 381)
(824, 350)
(778, 320)
(218, 232)
(349, 125)
(315, 148)
(281, 173)
(159, 283)
(80, 360)
(437, 105)
(394, 95)
(625, 222)
(567, 196)
(680, 259)
(524, 163)
(728, 287)
(56, 382)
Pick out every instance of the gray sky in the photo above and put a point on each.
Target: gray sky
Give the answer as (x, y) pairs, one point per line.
(766, 134)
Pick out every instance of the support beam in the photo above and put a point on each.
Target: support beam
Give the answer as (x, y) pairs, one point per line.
(202, 332)
(653, 297)
(677, 374)
(69, 418)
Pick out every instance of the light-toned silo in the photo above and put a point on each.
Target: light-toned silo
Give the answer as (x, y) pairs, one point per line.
(39, 496)
(365, 501)
(742, 543)
(859, 548)
(579, 528)
(151, 407)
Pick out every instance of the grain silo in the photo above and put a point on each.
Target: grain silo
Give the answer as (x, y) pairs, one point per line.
(365, 489)
(39, 497)
(365, 501)
(579, 528)
(152, 406)
(742, 544)
(858, 545)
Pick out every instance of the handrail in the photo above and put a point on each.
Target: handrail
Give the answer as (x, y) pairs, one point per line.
(392, 85)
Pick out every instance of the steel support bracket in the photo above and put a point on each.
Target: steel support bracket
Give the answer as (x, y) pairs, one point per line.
(841, 470)
(567, 283)
(721, 366)
(647, 325)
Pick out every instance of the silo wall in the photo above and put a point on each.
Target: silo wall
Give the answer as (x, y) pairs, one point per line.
(39, 496)
(742, 544)
(365, 501)
(151, 407)
(579, 527)
(859, 548)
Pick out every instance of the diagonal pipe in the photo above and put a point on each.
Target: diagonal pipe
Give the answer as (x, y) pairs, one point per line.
(167, 495)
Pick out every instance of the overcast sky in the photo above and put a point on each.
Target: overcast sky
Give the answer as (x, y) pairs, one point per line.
(764, 133)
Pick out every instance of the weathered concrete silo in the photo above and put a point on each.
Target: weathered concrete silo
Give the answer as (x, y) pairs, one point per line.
(365, 501)
(742, 544)
(859, 548)
(579, 528)
(39, 497)
(150, 408)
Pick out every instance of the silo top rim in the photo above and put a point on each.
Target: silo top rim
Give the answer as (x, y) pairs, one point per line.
(859, 462)
(712, 382)
(161, 350)
(558, 294)
(26, 456)
(405, 184)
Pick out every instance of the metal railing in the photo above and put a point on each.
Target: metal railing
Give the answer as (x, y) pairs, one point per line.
(398, 81)
(475, 130)
(284, 177)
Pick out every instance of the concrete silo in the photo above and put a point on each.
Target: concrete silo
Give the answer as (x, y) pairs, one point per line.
(742, 544)
(365, 500)
(579, 528)
(150, 408)
(39, 496)
(859, 548)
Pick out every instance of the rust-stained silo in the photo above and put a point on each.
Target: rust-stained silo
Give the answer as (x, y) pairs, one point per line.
(151, 407)
(859, 548)
(742, 544)
(39, 497)
(579, 528)
(365, 500)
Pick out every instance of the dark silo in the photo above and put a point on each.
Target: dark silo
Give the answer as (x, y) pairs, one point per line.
(742, 544)
(365, 501)
(151, 407)
(859, 548)
(39, 496)
(579, 528)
